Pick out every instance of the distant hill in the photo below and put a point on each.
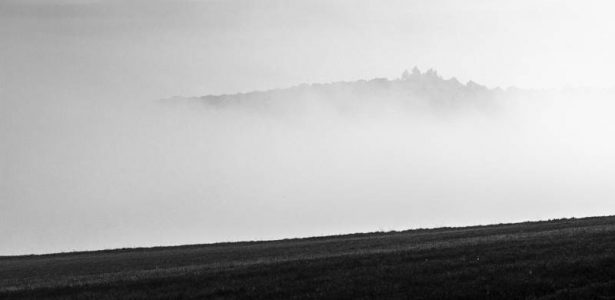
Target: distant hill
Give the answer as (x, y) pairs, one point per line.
(413, 90)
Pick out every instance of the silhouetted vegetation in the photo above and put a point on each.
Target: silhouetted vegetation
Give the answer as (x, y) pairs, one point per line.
(414, 91)
(569, 258)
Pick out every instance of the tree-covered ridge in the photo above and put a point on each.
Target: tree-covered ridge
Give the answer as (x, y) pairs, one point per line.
(414, 89)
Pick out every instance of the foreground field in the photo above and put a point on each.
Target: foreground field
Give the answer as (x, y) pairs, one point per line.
(571, 258)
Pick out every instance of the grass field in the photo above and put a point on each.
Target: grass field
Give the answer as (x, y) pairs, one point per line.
(560, 259)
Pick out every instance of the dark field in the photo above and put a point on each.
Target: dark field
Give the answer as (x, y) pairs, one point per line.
(561, 259)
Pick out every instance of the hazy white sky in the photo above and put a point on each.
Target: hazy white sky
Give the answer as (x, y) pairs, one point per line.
(88, 161)
(164, 48)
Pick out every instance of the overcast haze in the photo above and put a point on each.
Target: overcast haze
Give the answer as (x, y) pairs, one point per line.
(91, 159)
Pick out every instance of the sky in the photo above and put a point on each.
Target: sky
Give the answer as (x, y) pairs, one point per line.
(90, 161)
(168, 48)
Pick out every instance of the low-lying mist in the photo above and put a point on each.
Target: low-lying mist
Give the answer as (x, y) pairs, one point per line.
(292, 164)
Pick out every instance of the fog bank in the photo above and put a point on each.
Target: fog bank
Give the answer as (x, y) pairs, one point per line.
(290, 163)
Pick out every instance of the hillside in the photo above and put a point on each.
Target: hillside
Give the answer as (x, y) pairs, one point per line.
(412, 90)
(568, 258)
